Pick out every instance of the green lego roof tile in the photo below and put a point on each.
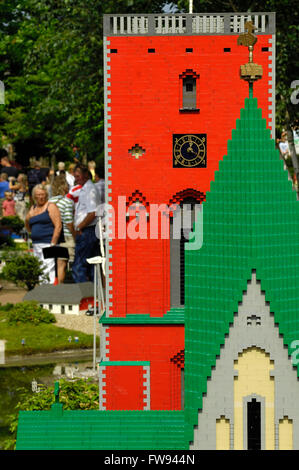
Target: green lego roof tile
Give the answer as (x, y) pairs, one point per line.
(96, 430)
(173, 316)
(124, 363)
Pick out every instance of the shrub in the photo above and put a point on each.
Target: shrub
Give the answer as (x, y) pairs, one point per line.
(23, 269)
(6, 307)
(78, 394)
(14, 222)
(29, 312)
(6, 241)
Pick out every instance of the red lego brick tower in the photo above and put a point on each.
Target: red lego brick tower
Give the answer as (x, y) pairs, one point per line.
(172, 96)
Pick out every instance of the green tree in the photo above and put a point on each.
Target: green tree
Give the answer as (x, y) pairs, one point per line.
(23, 269)
(287, 69)
(29, 312)
(12, 221)
(54, 93)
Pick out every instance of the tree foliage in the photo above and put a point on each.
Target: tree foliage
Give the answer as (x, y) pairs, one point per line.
(78, 394)
(53, 72)
(23, 269)
(52, 66)
(29, 312)
(12, 221)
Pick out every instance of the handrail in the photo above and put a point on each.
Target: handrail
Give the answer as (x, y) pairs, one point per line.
(187, 23)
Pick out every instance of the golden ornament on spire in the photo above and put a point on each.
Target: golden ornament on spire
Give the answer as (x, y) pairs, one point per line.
(250, 71)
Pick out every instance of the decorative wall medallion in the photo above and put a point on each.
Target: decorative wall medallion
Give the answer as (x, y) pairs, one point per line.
(136, 151)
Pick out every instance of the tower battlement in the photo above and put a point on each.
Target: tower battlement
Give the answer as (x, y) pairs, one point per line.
(187, 24)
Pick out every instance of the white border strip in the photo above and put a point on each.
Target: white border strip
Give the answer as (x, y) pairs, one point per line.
(272, 77)
(147, 391)
(102, 384)
(107, 136)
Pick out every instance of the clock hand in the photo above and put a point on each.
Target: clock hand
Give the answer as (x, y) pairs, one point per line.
(190, 149)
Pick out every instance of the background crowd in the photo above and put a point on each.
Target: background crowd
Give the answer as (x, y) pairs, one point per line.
(59, 207)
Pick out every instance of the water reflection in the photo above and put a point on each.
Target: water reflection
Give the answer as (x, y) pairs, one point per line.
(76, 370)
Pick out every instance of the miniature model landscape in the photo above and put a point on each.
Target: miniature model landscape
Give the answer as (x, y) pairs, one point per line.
(233, 331)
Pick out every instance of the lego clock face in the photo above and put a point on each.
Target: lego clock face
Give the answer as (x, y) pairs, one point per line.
(189, 150)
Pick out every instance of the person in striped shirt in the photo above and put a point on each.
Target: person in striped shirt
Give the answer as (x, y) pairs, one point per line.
(65, 205)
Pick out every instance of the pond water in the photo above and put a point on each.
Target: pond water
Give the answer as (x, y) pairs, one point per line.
(46, 373)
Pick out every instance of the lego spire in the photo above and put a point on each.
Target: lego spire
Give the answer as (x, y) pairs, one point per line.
(250, 71)
(56, 392)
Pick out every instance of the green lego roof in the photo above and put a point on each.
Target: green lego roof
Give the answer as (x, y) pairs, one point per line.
(100, 430)
(250, 221)
(173, 316)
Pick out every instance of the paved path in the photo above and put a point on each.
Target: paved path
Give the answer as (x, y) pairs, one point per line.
(77, 322)
(11, 293)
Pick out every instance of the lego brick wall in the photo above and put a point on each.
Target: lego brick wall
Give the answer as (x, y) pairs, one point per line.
(145, 93)
(126, 388)
(162, 346)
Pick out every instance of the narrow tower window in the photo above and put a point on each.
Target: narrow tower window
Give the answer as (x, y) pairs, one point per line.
(189, 95)
(190, 84)
(186, 205)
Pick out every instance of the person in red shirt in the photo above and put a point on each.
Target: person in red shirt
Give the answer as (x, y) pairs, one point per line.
(8, 205)
(73, 194)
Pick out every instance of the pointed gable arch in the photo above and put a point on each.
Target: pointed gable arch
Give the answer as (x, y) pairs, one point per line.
(136, 204)
(253, 365)
(137, 196)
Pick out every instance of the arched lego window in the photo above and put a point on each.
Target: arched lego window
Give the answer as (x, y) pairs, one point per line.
(189, 84)
(181, 224)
